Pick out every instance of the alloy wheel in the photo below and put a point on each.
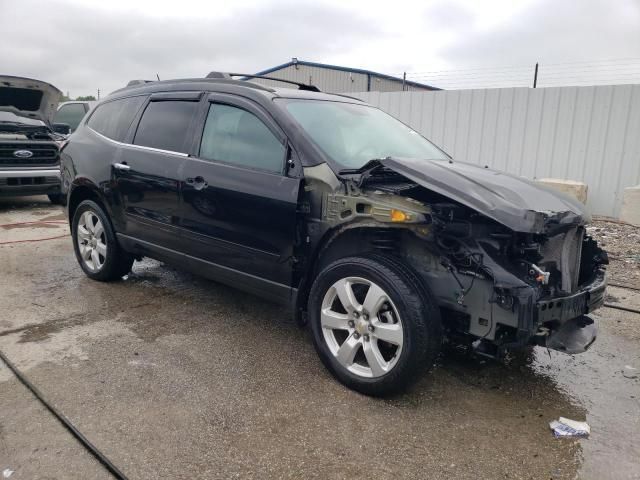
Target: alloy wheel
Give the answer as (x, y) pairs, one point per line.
(92, 241)
(362, 327)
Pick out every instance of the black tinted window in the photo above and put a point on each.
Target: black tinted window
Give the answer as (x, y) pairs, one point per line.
(237, 136)
(113, 119)
(71, 114)
(165, 125)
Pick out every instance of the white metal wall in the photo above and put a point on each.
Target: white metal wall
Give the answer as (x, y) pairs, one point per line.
(589, 134)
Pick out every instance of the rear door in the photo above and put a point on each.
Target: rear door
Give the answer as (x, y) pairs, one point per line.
(238, 201)
(147, 172)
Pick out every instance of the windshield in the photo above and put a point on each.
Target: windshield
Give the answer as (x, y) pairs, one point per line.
(352, 134)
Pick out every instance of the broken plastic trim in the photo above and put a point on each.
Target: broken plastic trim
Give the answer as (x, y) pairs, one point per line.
(574, 336)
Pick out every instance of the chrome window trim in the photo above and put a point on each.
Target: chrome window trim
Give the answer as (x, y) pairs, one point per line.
(141, 147)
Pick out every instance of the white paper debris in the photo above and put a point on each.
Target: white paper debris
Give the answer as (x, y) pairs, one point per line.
(7, 472)
(564, 427)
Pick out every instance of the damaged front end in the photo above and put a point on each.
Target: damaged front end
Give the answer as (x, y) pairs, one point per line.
(505, 274)
(512, 289)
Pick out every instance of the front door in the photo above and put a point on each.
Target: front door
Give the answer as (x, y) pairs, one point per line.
(238, 202)
(147, 172)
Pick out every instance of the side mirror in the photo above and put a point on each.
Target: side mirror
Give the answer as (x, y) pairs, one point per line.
(61, 128)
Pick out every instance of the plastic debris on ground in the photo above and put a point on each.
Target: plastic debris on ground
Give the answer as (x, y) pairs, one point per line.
(7, 472)
(564, 427)
(630, 372)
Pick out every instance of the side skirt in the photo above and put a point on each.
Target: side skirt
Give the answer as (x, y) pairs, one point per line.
(261, 287)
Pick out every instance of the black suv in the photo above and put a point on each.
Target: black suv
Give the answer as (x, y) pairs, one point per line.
(375, 237)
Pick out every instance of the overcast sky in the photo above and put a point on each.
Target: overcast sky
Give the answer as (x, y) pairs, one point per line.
(83, 45)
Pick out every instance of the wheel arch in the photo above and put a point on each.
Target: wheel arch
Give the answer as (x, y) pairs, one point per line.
(83, 189)
(340, 242)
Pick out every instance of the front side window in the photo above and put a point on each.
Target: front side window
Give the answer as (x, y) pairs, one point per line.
(352, 134)
(237, 136)
(70, 114)
(165, 125)
(113, 119)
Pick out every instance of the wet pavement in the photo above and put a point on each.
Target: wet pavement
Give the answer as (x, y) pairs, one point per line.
(174, 376)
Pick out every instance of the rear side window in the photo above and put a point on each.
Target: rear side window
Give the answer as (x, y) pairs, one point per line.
(71, 114)
(165, 125)
(113, 119)
(236, 136)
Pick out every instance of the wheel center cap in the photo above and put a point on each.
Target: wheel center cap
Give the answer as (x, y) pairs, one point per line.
(361, 326)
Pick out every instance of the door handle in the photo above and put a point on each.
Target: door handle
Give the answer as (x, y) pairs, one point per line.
(121, 166)
(198, 183)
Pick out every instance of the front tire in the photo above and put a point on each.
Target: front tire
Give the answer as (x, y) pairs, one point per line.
(375, 325)
(95, 245)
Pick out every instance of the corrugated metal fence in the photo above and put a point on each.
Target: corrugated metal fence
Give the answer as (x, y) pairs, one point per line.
(589, 134)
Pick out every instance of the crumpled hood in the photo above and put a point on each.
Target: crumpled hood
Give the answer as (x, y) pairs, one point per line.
(517, 203)
(29, 98)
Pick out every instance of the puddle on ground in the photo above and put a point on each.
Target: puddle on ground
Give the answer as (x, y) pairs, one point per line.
(612, 403)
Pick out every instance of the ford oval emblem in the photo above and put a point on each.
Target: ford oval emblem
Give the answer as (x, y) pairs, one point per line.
(23, 153)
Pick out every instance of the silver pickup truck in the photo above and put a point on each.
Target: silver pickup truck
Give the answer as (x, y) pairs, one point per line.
(29, 141)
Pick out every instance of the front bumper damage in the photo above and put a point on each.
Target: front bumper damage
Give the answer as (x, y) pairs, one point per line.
(501, 312)
(574, 331)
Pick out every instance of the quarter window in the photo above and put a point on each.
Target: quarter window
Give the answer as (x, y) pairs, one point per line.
(113, 119)
(236, 136)
(165, 125)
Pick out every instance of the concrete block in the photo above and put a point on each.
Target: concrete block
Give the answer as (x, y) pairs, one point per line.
(575, 189)
(630, 212)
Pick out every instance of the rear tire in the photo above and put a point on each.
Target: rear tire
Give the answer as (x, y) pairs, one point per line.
(375, 325)
(95, 244)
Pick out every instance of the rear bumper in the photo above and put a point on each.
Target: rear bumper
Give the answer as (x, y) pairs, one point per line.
(33, 181)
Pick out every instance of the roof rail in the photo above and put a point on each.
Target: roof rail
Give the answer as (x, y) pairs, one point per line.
(138, 82)
(218, 75)
(301, 86)
(228, 76)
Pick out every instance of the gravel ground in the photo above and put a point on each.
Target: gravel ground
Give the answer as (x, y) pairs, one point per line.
(622, 243)
(174, 376)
